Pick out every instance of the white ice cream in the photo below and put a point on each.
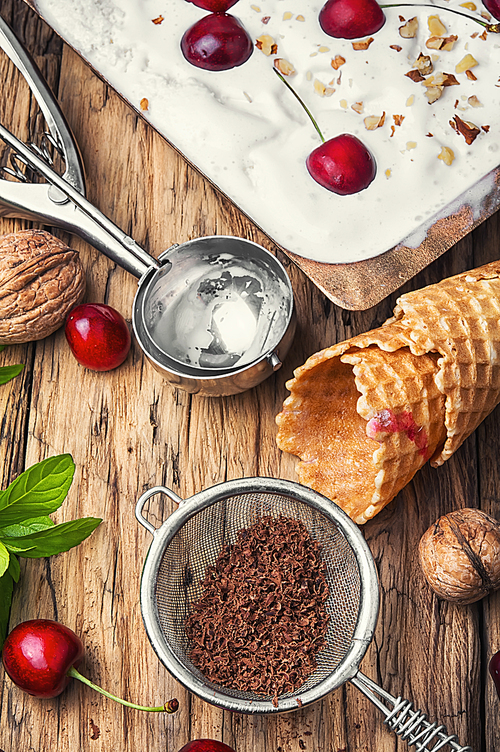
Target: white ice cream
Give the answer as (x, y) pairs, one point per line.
(246, 132)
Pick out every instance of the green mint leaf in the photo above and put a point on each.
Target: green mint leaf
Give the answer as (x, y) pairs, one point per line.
(26, 527)
(39, 490)
(4, 559)
(14, 568)
(54, 540)
(15, 548)
(9, 372)
(6, 588)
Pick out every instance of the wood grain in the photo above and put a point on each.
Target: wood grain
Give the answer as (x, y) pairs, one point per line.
(128, 430)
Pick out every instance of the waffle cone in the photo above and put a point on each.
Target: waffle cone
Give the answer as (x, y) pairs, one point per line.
(365, 414)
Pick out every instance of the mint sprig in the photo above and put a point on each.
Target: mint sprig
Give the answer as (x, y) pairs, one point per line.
(26, 530)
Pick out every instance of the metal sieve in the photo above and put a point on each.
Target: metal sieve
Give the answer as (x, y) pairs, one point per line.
(192, 538)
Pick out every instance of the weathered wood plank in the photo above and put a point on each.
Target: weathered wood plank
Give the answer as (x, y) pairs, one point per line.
(128, 430)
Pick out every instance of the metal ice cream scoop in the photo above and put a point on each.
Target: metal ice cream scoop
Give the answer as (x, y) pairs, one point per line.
(214, 315)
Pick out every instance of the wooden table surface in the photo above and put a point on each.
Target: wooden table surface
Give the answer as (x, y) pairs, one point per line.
(128, 430)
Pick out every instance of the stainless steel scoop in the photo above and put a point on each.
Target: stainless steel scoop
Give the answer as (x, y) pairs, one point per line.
(214, 315)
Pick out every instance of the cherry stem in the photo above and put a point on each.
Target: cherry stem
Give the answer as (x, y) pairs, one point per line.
(313, 121)
(494, 28)
(170, 707)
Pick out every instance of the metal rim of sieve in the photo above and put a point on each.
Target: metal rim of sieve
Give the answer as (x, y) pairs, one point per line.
(368, 605)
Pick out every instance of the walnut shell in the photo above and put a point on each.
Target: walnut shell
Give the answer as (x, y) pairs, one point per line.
(41, 279)
(460, 556)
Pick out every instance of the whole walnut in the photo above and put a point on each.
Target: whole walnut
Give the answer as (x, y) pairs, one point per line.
(460, 555)
(41, 279)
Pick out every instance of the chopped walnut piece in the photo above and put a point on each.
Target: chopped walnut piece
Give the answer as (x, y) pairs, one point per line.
(337, 61)
(485, 128)
(357, 107)
(470, 75)
(436, 26)
(396, 47)
(265, 19)
(449, 42)
(158, 20)
(484, 36)
(474, 101)
(466, 63)
(321, 89)
(283, 66)
(424, 64)
(363, 44)
(446, 79)
(433, 93)
(266, 44)
(409, 29)
(446, 155)
(468, 130)
(441, 43)
(415, 75)
(398, 119)
(144, 104)
(372, 122)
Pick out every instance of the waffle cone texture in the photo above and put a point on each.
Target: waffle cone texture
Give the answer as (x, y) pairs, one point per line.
(365, 414)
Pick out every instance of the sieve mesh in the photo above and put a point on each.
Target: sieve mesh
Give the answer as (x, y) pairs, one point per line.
(198, 543)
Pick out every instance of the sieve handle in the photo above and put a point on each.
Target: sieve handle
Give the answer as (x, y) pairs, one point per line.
(411, 725)
(145, 497)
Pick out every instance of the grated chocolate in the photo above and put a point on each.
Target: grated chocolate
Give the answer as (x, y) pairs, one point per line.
(261, 619)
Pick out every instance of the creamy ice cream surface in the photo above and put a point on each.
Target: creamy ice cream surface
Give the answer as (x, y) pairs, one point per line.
(247, 133)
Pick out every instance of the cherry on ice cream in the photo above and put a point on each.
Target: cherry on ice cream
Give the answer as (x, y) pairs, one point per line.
(41, 656)
(216, 6)
(98, 336)
(216, 42)
(205, 745)
(350, 19)
(494, 7)
(342, 164)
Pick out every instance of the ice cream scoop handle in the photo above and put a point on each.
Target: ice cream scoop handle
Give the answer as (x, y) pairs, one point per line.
(407, 723)
(107, 237)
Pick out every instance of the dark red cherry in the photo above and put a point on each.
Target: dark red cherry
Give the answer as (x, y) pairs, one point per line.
(98, 336)
(350, 19)
(206, 745)
(494, 7)
(38, 654)
(494, 667)
(216, 6)
(41, 656)
(343, 165)
(217, 42)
